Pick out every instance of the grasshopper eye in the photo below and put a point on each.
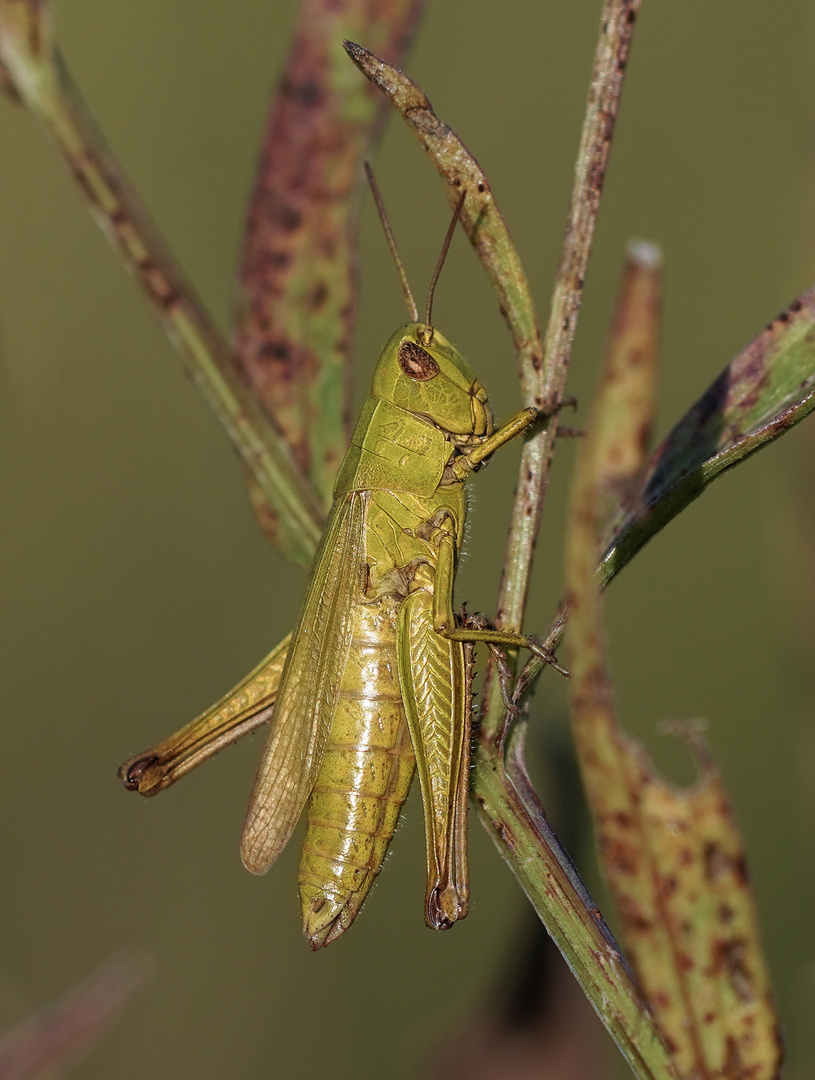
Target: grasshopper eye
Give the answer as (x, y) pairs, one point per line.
(416, 363)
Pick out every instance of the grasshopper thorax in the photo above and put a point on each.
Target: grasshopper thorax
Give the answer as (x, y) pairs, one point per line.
(420, 371)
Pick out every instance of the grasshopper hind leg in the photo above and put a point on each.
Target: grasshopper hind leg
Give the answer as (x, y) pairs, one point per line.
(436, 679)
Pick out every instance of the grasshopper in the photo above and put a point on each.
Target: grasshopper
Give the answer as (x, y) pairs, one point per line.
(374, 682)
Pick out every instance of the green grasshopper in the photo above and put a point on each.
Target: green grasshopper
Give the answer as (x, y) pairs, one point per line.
(375, 679)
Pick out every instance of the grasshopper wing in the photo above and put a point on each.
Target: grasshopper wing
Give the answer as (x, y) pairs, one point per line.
(307, 695)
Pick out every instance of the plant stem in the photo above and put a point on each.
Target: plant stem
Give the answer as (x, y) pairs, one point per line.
(510, 811)
(545, 384)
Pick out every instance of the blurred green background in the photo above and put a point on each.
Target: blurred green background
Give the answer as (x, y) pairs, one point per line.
(135, 587)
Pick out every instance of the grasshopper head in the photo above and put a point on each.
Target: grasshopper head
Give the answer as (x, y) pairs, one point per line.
(421, 372)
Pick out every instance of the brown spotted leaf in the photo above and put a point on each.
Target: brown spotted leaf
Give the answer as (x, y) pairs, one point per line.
(297, 280)
(686, 901)
(622, 431)
(673, 858)
(763, 392)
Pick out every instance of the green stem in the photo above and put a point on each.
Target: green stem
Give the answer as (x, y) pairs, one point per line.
(546, 383)
(511, 813)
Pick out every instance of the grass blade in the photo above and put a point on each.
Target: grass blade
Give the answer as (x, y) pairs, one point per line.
(39, 77)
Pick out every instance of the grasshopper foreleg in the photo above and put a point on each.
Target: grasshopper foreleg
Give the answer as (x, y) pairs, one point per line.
(464, 465)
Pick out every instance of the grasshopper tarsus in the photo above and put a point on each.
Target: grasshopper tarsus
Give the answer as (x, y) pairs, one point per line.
(445, 907)
(548, 657)
(134, 773)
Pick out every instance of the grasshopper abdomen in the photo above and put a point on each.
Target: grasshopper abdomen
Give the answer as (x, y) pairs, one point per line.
(363, 781)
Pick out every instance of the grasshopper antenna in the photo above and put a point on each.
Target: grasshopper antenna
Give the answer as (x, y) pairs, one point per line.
(413, 311)
(444, 249)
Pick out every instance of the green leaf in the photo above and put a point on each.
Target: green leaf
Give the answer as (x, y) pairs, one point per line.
(764, 391)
